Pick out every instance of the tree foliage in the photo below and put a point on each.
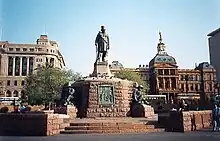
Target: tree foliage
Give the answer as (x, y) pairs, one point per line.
(44, 85)
(132, 76)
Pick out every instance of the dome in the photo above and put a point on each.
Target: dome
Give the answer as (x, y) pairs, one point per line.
(205, 65)
(163, 58)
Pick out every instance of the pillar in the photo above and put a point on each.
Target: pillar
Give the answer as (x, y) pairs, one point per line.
(27, 65)
(176, 86)
(21, 64)
(170, 82)
(164, 87)
(13, 68)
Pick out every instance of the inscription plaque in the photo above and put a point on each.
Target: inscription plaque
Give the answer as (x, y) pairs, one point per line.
(106, 95)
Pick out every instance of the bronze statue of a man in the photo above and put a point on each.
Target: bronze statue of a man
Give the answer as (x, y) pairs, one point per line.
(102, 45)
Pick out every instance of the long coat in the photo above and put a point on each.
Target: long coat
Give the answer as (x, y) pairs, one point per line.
(102, 40)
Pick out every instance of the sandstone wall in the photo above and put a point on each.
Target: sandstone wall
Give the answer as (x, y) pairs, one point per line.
(90, 106)
(189, 121)
(32, 124)
(68, 110)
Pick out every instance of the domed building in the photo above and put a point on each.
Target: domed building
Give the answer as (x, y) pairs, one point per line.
(164, 72)
(167, 80)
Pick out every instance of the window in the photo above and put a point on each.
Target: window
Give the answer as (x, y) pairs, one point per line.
(22, 83)
(190, 77)
(166, 72)
(39, 49)
(31, 49)
(191, 87)
(17, 66)
(31, 64)
(8, 83)
(196, 87)
(47, 50)
(15, 83)
(24, 49)
(210, 87)
(196, 78)
(160, 71)
(182, 77)
(172, 72)
(17, 49)
(210, 77)
(10, 49)
(182, 87)
(24, 66)
(10, 66)
(15, 94)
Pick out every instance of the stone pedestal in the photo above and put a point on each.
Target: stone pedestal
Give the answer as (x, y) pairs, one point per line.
(101, 69)
(142, 110)
(71, 111)
(103, 97)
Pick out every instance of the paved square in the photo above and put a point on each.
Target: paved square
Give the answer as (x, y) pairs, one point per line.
(164, 136)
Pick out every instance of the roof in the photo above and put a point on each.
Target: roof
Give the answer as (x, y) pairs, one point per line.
(205, 65)
(163, 58)
(213, 33)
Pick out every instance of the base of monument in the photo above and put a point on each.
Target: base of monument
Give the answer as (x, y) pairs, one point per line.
(101, 69)
(142, 110)
(117, 125)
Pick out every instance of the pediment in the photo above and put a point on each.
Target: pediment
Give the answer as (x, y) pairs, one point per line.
(165, 65)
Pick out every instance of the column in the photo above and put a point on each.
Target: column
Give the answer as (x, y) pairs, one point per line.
(169, 71)
(170, 82)
(13, 70)
(176, 86)
(163, 71)
(21, 64)
(164, 87)
(27, 65)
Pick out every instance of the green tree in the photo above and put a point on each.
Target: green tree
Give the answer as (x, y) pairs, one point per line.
(44, 85)
(133, 76)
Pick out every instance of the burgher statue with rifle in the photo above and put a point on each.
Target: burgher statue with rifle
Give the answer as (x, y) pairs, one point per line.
(102, 45)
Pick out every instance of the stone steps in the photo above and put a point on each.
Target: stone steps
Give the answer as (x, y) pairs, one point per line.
(110, 131)
(109, 127)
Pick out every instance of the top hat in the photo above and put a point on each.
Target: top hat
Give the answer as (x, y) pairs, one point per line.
(102, 27)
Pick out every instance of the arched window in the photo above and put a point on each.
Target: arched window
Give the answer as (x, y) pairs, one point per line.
(8, 93)
(15, 93)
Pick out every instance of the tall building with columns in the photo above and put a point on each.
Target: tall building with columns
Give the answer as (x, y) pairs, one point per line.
(19, 60)
(165, 77)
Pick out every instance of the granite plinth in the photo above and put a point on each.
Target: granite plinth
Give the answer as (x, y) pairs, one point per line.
(101, 69)
(88, 97)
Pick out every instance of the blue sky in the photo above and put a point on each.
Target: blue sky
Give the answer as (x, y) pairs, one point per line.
(132, 25)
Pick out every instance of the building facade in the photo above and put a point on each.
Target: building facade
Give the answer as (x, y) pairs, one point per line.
(214, 49)
(164, 77)
(19, 60)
